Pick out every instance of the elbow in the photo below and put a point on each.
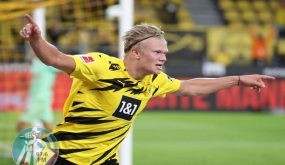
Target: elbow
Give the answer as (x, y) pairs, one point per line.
(201, 92)
(188, 92)
(192, 88)
(48, 62)
(193, 92)
(54, 61)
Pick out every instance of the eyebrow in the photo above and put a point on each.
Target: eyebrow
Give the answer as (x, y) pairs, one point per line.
(129, 47)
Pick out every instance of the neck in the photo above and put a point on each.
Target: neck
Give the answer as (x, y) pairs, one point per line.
(133, 69)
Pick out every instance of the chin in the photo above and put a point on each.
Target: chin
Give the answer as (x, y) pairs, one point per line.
(154, 71)
(157, 72)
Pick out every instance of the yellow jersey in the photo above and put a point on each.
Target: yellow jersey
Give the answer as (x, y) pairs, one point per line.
(103, 102)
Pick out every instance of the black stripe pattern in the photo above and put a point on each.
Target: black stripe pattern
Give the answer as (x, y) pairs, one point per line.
(86, 120)
(63, 135)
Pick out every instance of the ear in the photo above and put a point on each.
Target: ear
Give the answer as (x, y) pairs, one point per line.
(136, 54)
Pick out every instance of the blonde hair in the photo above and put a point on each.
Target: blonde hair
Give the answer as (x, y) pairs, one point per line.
(139, 33)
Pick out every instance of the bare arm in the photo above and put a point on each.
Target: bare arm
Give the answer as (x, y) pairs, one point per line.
(45, 51)
(204, 86)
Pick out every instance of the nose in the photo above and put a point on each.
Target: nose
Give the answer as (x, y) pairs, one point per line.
(163, 57)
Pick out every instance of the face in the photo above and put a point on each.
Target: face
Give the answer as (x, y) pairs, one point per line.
(152, 55)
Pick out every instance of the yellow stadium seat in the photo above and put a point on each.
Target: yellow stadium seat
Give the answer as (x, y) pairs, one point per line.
(232, 16)
(265, 17)
(249, 16)
(273, 5)
(226, 5)
(259, 5)
(243, 5)
(281, 47)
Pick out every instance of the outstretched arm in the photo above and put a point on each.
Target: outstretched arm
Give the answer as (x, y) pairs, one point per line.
(45, 51)
(204, 86)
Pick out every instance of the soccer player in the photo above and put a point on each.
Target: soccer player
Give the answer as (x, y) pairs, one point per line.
(108, 93)
(39, 109)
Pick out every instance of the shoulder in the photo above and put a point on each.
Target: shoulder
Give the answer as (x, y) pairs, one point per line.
(95, 56)
(165, 76)
(162, 77)
(101, 55)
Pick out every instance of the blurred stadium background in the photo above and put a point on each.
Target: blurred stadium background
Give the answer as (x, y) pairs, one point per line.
(206, 38)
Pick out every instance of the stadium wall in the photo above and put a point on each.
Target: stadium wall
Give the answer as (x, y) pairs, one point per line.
(14, 88)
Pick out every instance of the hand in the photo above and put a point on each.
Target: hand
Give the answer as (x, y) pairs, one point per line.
(31, 30)
(254, 81)
(31, 138)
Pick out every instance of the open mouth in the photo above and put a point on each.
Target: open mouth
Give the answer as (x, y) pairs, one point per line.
(159, 66)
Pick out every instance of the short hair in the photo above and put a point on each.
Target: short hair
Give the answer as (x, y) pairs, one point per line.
(139, 33)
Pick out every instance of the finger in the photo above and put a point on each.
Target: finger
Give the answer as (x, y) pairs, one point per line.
(28, 28)
(261, 84)
(30, 19)
(24, 34)
(256, 88)
(25, 31)
(268, 77)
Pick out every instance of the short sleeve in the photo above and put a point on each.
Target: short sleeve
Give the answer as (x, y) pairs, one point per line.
(166, 84)
(88, 66)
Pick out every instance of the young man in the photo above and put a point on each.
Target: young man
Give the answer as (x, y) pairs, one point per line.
(108, 93)
(39, 109)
